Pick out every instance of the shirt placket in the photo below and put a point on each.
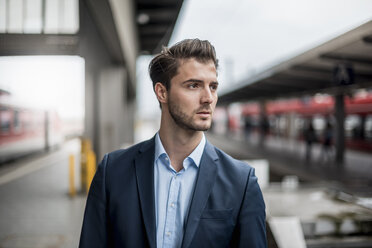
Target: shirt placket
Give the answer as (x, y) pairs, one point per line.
(169, 232)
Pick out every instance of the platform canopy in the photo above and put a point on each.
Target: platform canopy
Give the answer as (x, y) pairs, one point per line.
(340, 65)
(156, 21)
(127, 28)
(153, 20)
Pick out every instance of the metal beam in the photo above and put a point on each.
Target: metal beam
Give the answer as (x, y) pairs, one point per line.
(159, 15)
(296, 79)
(103, 18)
(310, 74)
(38, 44)
(157, 4)
(275, 83)
(153, 29)
(347, 57)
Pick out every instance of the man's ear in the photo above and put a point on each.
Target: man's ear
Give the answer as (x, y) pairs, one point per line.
(161, 92)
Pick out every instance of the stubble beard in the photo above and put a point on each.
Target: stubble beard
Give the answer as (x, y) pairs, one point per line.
(183, 120)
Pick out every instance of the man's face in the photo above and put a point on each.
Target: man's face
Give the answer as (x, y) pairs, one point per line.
(193, 95)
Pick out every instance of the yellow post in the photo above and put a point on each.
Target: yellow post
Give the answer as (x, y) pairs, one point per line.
(82, 165)
(91, 169)
(85, 148)
(72, 190)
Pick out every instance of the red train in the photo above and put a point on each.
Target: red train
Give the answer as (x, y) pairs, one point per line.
(288, 118)
(24, 130)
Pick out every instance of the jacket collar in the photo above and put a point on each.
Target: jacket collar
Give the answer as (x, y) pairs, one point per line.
(204, 184)
(144, 166)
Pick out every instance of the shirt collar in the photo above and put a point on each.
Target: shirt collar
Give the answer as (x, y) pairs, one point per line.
(195, 155)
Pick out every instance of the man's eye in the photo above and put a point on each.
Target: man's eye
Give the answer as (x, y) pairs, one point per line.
(193, 86)
(214, 87)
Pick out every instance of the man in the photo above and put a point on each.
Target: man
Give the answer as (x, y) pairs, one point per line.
(176, 190)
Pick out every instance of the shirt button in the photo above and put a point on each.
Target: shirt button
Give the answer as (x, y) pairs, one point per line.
(172, 205)
(166, 158)
(168, 234)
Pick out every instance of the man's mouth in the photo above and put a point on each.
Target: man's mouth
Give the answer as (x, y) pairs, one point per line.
(204, 113)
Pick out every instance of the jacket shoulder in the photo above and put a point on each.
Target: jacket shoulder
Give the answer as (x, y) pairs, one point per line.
(127, 154)
(233, 163)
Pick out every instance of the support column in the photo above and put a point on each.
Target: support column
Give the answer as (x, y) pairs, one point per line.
(363, 124)
(116, 117)
(91, 103)
(340, 129)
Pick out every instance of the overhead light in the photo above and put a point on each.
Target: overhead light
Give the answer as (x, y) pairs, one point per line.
(143, 18)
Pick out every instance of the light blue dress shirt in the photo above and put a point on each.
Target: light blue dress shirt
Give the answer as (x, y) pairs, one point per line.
(173, 193)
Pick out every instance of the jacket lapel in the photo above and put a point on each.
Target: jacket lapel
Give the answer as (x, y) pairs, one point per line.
(144, 164)
(204, 184)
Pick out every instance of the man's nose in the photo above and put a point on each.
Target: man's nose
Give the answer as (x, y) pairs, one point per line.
(207, 96)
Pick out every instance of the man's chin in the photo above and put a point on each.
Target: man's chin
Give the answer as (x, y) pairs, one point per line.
(204, 127)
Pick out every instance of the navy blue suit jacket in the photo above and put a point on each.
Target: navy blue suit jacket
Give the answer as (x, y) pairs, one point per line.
(227, 208)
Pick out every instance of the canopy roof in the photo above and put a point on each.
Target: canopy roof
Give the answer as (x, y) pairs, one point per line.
(313, 71)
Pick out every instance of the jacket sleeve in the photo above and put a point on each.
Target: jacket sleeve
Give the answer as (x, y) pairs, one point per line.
(250, 230)
(94, 230)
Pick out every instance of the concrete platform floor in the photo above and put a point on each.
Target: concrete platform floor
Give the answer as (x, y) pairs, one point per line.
(35, 208)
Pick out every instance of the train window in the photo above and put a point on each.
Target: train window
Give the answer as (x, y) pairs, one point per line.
(352, 126)
(4, 120)
(299, 124)
(282, 124)
(319, 122)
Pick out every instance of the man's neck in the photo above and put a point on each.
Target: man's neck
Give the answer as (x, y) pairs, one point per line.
(179, 143)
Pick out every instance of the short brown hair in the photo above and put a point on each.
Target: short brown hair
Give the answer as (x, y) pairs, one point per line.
(164, 66)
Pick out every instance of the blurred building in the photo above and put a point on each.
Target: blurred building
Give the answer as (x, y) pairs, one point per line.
(109, 35)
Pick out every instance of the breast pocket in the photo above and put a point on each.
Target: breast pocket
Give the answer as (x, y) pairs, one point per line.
(216, 214)
(215, 228)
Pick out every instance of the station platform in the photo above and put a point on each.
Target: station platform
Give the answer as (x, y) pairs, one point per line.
(287, 157)
(35, 208)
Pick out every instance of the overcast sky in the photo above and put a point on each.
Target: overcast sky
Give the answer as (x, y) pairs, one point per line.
(250, 35)
(45, 82)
